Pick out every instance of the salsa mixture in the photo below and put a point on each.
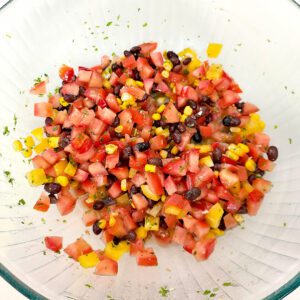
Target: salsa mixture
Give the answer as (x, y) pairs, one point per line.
(154, 144)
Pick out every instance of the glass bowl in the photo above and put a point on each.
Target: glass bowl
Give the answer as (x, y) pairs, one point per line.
(261, 51)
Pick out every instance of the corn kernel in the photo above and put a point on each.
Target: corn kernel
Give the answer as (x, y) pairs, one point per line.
(244, 147)
(161, 108)
(159, 131)
(53, 141)
(111, 148)
(50, 179)
(27, 152)
(235, 129)
(165, 74)
(239, 218)
(124, 185)
(112, 221)
(132, 172)
(207, 161)
(166, 132)
(232, 155)
(38, 133)
(150, 168)
(71, 168)
(163, 198)
(102, 223)
(130, 82)
(127, 97)
(62, 180)
(204, 148)
(188, 110)
(213, 50)
(216, 173)
(175, 150)
(29, 142)
(196, 82)
(215, 71)
(250, 165)
(156, 116)
(182, 118)
(63, 102)
(151, 223)
(139, 83)
(141, 232)
(17, 145)
(168, 65)
(119, 129)
(163, 153)
(236, 149)
(106, 84)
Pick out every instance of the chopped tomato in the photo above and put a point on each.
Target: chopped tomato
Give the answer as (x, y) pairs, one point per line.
(107, 267)
(43, 203)
(146, 257)
(53, 243)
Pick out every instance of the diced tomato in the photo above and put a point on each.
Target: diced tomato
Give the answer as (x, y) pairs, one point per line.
(126, 121)
(148, 83)
(157, 59)
(70, 89)
(84, 75)
(39, 162)
(65, 204)
(129, 62)
(146, 257)
(107, 267)
(39, 88)
(230, 221)
(229, 98)
(189, 92)
(106, 115)
(171, 114)
(262, 139)
(120, 172)
(77, 248)
(206, 131)
(223, 193)
(177, 167)
(43, 203)
(53, 243)
(95, 80)
(228, 178)
(66, 73)
(140, 202)
(96, 169)
(112, 160)
(204, 247)
(193, 160)
(43, 109)
(254, 201)
(265, 164)
(118, 229)
(115, 190)
(202, 177)
(262, 185)
(154, 183)
(112, 102)
(170, 186)
(147, 48)
(136, 246)
(249, 108)
(146, 71)
(158, 142)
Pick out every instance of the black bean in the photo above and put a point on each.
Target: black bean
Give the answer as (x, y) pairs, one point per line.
(96, 229)
(154, 86)
(169, 139)
(231, 121)
(114, 67)
(171, 54)
(162, 223)
(48, 121)
(52, 188)
(186, 61)
(151, 203)
(251, 178)
(69, 98)
(136, 74)
(217, 155)
(81, 91)
(208, 101)
(156, 123)
(170, 155)
(197, 137)
(222, 224)
(162, 123)
(131, 236)
(272, 153)
(133, 190)
(127, 53)
(190, 122)
(110, 180)
(109, 201)
(176, 136)
(217, 167)
(119, 135)
(116, 240)
(202, 111)
(117, 89)
(98, 205)
(64, 139)
(259, 172)
(116, 122)
(192, 194)
(239, 105)
(52, 198)
(145, 97)
(135, 49)
(142, 146)
(181, 128)
(65, 129)
(155, 161)
(192, 104)
(173, 127)
(175, 61)
(127, 152)
(243, 209)
(177, 68)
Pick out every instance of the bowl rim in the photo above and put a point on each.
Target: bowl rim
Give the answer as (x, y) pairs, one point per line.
(30, 293)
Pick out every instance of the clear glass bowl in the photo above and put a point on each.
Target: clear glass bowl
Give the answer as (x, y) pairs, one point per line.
(261, 51)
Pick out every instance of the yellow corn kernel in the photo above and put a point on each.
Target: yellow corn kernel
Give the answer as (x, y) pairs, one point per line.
(188, 110)
(182, 118)
(141, 232)
(38, 133)
(71, 168)
(165, 74)
(214, 215)
(236, 149)
(213, 50)
(62, 180)
(119, 129)
(17, 145)
(124, 185)
(89, 260)
(139, 83)
(217, 231)
(247, 186)
(207, 161)
(53, 141)
(175, 211)
(63, 102)
(163, 198)
(196, 82)
(119, 100)
(148, 193)
(116, 251)
(161, 108)
(106, 84)
(102, 223)
(174, 150)
(127, 97)
(111, 148)
(239, 218)
(159, 131)
(216, 173)
(42, 146)
(163, 153)
(168, 65)
(215, 71)
(151, 223)
(60, 167)
(235, 129)
(132, 172)
(130, 82)
(90, 199)
(29, 142)
(112, 221)
(204, 148)
(166, 132)
(150, 168)
(156, 116)
(244, 147)
(232, 155)
(36, 177)
(27, 152)
(250, 165)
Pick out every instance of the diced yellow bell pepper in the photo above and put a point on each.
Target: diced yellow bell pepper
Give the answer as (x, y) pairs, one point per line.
(17, 145)
(250, 165)
(151, 223)
(38, 133)
(106, 84)
(194, 64)
(123, 199)
(232, 155)
(62, 180)
(53, 141)
(207, 161)
(112, 221)
(254, 125)
(116, 251)
(36, 177)
(218, 231)
(102, 223)
(175, 211)
(139, 83)
(130, 82)
(215, 71)
(239, 218)
(163, 198)
(204, 148)
(236, 188)
(150, 168)
(188, 110)
(89, 260)
(174, 150)
(63, 102)
(213, 50)
(42, 146)
(60, 167)
(161, 108)
(187, 52)
(214, 215)
(71, 168)
(148, 193)
(111, 148)
(29, 142)
(141, 232)
(247, 186)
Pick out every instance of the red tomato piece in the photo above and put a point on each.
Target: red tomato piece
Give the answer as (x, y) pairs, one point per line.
(146, 257)
(43, 109)
(39, 88)
(154, 183)
(230, 221)
(42, 203)
(53, 243)
(171, 113)
(177, 167)
(140, 202)
(170, 186)
(254, 202)
(65, 204)
(66, 73)
(204, 247)
(77, 248)
(228, 178)
(107, 267)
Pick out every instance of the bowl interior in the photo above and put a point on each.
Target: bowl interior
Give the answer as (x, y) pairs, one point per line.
(260, 50)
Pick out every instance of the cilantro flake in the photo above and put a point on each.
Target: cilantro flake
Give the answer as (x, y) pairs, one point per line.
(88, 285)
(21, 202)
(6, 131)
(227, 284)
(164, 291)
(206, 292)
(290, 141)
(212, 295)
(109, 23)
(145, 24)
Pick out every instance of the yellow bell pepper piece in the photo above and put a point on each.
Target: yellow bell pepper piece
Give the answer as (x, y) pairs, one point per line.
(214, 215)
(116, 251)
(213, 50)
(175, 211)
(187, 52)
(62, 180)
(71, 168)
(148, 193)
(88, 260)
(111, 148)
(217, 231)
(53, 141)
(141, 232)
(247, 186)
(194, 64)
(60, 167)
(42, 146)
(150, 168)
(36, 177)
(207, 161)
(38, 133)
(151, 223)
(215, 71)
(123, 199)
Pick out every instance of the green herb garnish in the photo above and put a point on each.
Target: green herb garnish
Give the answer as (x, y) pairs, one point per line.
(109, 23)
(145, 24)
(164, 291)
(6, 131)
(21, 202)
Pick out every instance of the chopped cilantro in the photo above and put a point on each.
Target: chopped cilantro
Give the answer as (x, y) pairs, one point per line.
(43, 220)
(275, 126)
(108, 23)
(113, 54)
(15, 121)
(88, 285)
(105, 38)
(139, 9)
(227, 284)
(185, 72)
(206, 292)
(64, 221)
(164, 291)
(6, 130)
(212, 295)
(37, 80)
(285, 87)
(21, 202)
(145, 24)
(118, 17)
(290, 141)
(8, 35)
(109, 297)
(56, 90)
(215, 289)
(284, 224)
(44, 252)
(8, 176)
